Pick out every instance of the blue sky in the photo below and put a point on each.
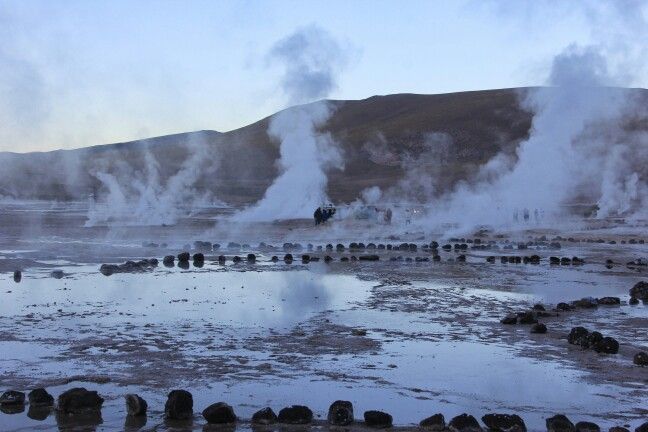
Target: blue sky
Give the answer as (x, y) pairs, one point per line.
(77, 73)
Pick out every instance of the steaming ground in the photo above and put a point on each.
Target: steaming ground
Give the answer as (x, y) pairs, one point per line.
(273, 334)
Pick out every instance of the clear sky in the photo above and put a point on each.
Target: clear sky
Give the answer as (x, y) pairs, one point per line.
(77, 73)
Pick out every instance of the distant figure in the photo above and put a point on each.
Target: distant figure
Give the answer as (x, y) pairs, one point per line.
(318, 216)
(536, 215)
(515, 215)
(526, 215)
(388, 216)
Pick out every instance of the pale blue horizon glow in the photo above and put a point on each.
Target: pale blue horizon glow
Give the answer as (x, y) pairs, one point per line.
(78, 73)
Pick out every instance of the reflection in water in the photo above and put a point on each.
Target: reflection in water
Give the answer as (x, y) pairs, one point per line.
(86, 421)
(134, 423)
(38, 413)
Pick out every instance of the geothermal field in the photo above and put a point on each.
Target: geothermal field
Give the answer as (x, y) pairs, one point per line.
(338, 259)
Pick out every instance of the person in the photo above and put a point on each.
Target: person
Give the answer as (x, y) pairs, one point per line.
(318, 216)
(526, 215)
(388, 215)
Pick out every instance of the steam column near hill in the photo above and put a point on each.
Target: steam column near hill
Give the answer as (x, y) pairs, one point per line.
(311, 59)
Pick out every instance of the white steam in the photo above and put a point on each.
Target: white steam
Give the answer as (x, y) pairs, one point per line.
(311, 60)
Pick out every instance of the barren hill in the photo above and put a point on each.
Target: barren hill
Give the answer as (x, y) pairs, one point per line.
(375, 135)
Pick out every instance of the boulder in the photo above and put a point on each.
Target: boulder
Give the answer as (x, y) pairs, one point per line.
(12, 397)
(464, 423)
(564, 307)
(584, 426)
(198, 257)
(40, 398)
(340, 413)
(593, 338)
(168, 261)
(184, 256)
(79, 400)
(559, 423)
(609, 301)
(509, 319)
(539, 328)
(633, 301)
(607, 345)
(251, 258)
(504, 423)
(135, 405)
(369, 258)
(288, 258)
(179, 405)
(57, 274)
(296, 414)
(434, 423)
(640, 359)
(527, 318)
(640, 291)
(377, 419)
(642, 428)
(219, 413)
(265, 416)
(585, 303)
(618, 429)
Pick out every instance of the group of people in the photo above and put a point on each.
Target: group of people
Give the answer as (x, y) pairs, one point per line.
(321, 215)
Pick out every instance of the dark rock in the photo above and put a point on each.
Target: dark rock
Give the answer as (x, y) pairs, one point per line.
(538, 307)
(57, 274)
(328, 259)
(633, 301)
(179, 405)
(559, 423)
(369, 258)
(265, 416)
(305, 259)
(640, 291)
(578, 336)
(564, 307)
(539, 328)
(609, 301)
(12, 397)
(377, 419)
(464, 423)
(219, 413)
(554, 260)
(39, 413)
(274, 258)
(296, 414)
(640, 359)
(509, 319)
(288, 258)
(251, 258)
(618, 429)
(184, 265)
(490, 259)
(135, 405)
(168, 260)
(642, 428)
(236, 259)
(222, 259)
(340, 413)
(184, 256)
(204, 246)
(607, 345)
(434, 423)
(198, 257)
(584, 426)
(504, 423)
(17, 276)
(40, 398)
(527, 318)
(585, 303)
(593, 338)
(79, 400)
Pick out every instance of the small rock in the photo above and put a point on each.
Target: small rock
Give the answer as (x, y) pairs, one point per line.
(340, 413)
(135, 405)
(464, 423)
(509, 319)
(184, 256)
(641, 359)
(78, 400)
(584, 426)
(504, 423)
(377, 419)
(12, 397)
(607, 345)
(640, 291)
(265, 416)
(40, 398)
(179, 405)
(296, 414)
(609, 301)
(57, 274)
(359, 332)
(219, 413)
(578, 336)
(527, 318)
(539, 328)
(434, 423)
(559, 423)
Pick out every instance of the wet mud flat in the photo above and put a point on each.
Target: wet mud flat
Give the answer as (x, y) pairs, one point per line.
(410, 338)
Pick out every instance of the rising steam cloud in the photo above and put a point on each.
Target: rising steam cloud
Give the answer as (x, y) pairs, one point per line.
(311, 59)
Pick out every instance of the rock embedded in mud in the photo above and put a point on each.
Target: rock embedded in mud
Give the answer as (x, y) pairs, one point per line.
(221, 259)
(504, 423)
(251, 258)
(377, 419)
(135, 405)
(509, 319)
(607, 345)
(12, 398)
(640, 291)
(584, 426)
(559, 423)
(464, 423)
(640, 359)
(265, 416)
(435, 423)
(179, 405)
(198, 257)
(539, 328)
(340, 413)
(219, 413)
(527, 317)
(40, 398)
(183, 256)
(609, 301)
(296, 414)
(564, 307)
(168, 260)
(288, 258)
(305, 259)
(585, 303)
(17, 276)
(592, 339)
(369, 258)
(79, 400)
